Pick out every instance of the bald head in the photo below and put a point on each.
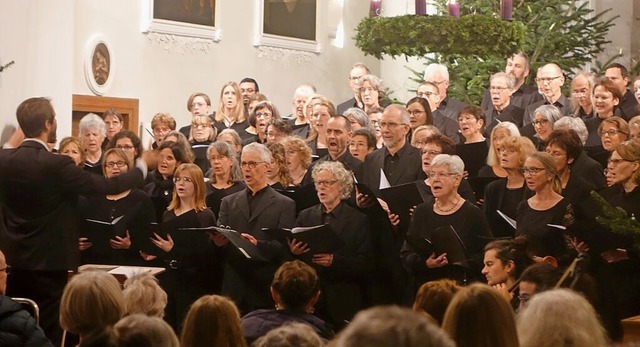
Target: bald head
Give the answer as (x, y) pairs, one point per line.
(550, 80)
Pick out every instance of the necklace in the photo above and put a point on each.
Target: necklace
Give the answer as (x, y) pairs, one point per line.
(455, 204)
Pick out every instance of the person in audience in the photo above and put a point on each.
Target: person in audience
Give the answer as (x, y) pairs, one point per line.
(299, 120)
(421, 134)
(230, 113)
(183, 142)
(248, 211)
(371, 93)
(133, 205)
(505, 194)
(91, 302)
(619, 75)
(113, 123)
(298, 159)
(504, 261)
(480, 316)
(518, 67)
(92, 132)
(212, 320)
(231, 137)
(438, 74)
(278, 172)
(550, 80)
(263, 112)
(143, 295)
(295, 289)
(535, 279)
(341, 271)
(128, 142)
(198, 104)
(569, 321)
(72, 147)
(494, 168)
(160, 189)
(606, 97)
(447, 210)
(434, 297)
(501, 87)
(140, 330)
(581, 88)
(363, 142)
(634, 129)
(375, 114)
(17, 326)
(201, 136)
(392, 326)
(188, 270)
(322, 110)
(547, 205)
(291, 335)
(543, 119)
(161, 125)
(248, 88)
(357, 118)
(225, 178)
(358, 71)
(251, 117)
(277, 130)
(475, 149)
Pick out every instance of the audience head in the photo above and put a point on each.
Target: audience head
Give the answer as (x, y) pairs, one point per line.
(301, 97)
(333, 182)
(254, 163)
(297, 152)
(255, 99)
(189, 185)
(543, 119)
(181, 140)
(295, 286)
(430, 92)
(91, 302)
(92, 132)
(445, 175)
(277, 129)
(619, 76)
(560, 317)
(338, 136)
(357, 72)
(115, 162)
(224, 162)
(170, 155)
(140, 330)
(199, 104)
(550, 79)
(634, 128)
(500, 131)
(471, 121)
(363, 142)
(370, 91)
(564, 146)
(518, 67)
(513, 151)
(143, 295)
(434, 297)
(479, 315)
(501, 86)
(278, 170)
(212, 320)
(290, 335)
(613, 131)
(573, 123)
(535, 279)
(321, 111)
(264, 112)
(434, 145)
(581, 89)
(230, 104)
(129, 142)
(539, 170)
(391, 326)
(72, 146)
(202, 130)
(606, 97)
(504, 261)
(37, 116)
(375, 114)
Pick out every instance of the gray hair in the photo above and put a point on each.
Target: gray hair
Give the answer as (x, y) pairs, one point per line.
(304, 91)
(92, 121)
(405, 118)
(591, 79)
(574, 123)
(337, 169)
(549, 112)
(455, 164)
(234, 135)
(225, 149)
(262, 150)
(436, 69)
(142, 294)
(492, 158)
(360, 116)
(290, 335)
(511, 81)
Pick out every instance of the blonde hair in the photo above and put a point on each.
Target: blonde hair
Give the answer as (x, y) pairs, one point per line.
(550, 168)
(238, 111)
(206, 120)
(200, 190)
(522, 145)
(212, 320)
(118, 152)
(297, 144)
(76, 141)
(142, 294)
(140, 331)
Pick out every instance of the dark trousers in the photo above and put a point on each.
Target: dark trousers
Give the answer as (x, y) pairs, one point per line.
(45, 288)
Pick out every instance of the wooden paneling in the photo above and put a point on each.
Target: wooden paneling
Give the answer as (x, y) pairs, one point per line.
(83, 104)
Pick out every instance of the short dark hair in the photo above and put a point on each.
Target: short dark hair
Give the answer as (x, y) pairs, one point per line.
(623, 70)
(370, 136)
(296, 283)
(176, 149)
(250, 80)
(543, 275)
(281, 126)
(425, 104)
(476, 112)
(135, 140)
(444, 142)
(511, 250)
(347, 124)
(112, 112)
(568, 140)
(33, 113)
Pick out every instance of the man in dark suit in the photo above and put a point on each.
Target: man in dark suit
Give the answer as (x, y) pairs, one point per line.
(248, 211)
(39, 193)
(550, 80)
(501, 87)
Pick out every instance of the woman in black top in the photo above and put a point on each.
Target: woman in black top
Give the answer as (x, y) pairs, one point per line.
(474, 150)
(226, 177)
(201, 135)
(160, 190)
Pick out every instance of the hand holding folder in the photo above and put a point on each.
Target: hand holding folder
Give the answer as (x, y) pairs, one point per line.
(319, 238)
(443, 240)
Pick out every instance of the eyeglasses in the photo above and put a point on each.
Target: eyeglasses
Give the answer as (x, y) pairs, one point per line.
(611, 132)
(263, 114)
(218, 158)
(247, 90)
(498, 89)
(416, 112)
(440, 175)
(120, 163)
(390, 125)
(7, 269)
(466, 118)
(531, 170)
(507, 150)
(125, 147)
(322, 183)
(524, 298)
(183, 179)
(430, 152)
(618, 161)
(367, 89)
(425, 94)
(540, 122)
(544, 80)
(355, 78)
(200, 126)
(250, 164)
(580, 94)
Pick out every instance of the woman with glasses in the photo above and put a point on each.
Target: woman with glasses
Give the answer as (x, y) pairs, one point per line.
(499, 132)
(226, 177)
(342, 271)
(474, 150)
(447, 210)
(363, 142)
(505, 194)
(613, 131)
(133, 205)
(421, 115)
(263, 112)
(160, 189)
(371, 93)
(202, 134)
(543, 119)
(189, 264)
(129, 142)
(375, 114)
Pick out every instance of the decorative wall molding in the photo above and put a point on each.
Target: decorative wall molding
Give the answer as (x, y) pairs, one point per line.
(284, 55)
(180, 44)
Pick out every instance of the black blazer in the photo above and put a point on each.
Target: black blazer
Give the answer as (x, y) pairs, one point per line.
(245, 281)
(493, 196)
(588, 169)
(411, 161)
(39, 193)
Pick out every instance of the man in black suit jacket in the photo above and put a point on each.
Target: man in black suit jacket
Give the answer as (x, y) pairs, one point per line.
(39, 193)
(338, 138)
(248, 211)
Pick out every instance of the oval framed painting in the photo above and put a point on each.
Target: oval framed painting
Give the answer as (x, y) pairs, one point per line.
(99, 64)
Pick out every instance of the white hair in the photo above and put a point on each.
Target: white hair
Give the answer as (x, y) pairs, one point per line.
(456, 165)
(436, 69)
(92, 121)
(574, 123)
(262, 150)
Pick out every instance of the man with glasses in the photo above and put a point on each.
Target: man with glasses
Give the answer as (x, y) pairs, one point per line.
(357, 71)
(550, 81)
(248, 88)
(501, 89)
(249, 211)
(438, 74)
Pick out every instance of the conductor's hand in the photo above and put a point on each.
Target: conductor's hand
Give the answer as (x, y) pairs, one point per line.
(121, 242)
(250, 238)
(83, 243)
(323, 259)
(434, 262)
(165, 245)
(218, 239)
(297, 247)
(579, 246)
